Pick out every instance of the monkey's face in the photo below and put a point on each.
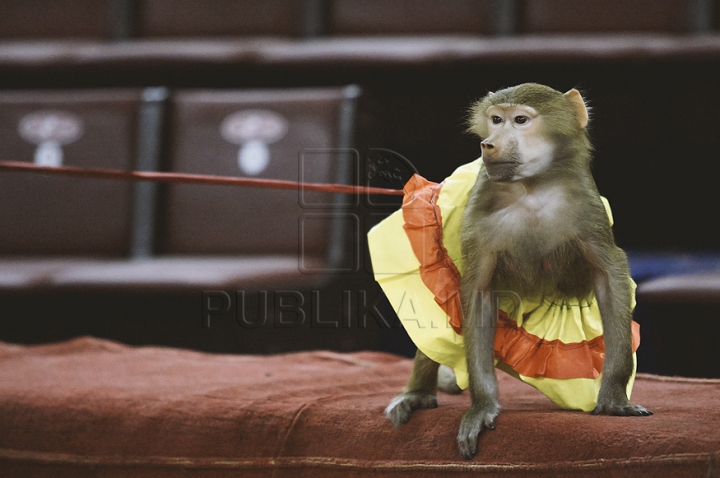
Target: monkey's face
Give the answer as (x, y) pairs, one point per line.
(516, 147)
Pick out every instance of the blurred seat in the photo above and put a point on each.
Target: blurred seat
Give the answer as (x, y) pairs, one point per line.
(226, 237)
(406, 17)
(220, 18)
(570, 16)
(59, 19)
(47, 221)
(678, 312)
(678, 296)
(691, 278)
(700, 287)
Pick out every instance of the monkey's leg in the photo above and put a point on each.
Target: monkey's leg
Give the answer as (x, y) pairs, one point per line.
(479, 335)
(613, 294)
(420, 391)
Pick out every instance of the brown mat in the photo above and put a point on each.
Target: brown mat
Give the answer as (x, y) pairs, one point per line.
(91, 408)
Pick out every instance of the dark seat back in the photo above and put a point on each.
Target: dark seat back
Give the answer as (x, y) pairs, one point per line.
(49, 215)
(561, 16)
(192, 18)
(293, 135)
(27, 19)
(406, 17)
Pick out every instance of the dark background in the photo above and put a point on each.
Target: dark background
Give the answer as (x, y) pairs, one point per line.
(655, 125)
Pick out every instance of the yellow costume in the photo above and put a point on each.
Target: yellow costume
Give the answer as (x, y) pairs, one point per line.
(554, 345)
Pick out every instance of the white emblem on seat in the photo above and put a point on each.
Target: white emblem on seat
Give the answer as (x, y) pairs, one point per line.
(50, 130)
(253, 130)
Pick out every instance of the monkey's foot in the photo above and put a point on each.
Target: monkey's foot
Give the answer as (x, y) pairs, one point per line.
(403, 405)
(621, 409)
(473, 422)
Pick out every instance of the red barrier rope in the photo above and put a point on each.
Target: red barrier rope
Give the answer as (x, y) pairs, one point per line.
(191, 179)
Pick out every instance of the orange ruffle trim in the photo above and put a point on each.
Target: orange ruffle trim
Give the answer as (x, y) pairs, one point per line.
(423, 226)
(527, 354)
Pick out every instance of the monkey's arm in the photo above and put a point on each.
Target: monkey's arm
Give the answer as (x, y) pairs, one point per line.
(479, 323)
(614, 296)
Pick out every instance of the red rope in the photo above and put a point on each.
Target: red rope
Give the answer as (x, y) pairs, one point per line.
(192, 179)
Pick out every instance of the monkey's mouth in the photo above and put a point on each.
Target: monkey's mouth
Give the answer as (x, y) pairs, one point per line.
(501, 171)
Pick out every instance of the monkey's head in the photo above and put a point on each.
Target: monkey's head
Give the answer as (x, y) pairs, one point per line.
(529, 128)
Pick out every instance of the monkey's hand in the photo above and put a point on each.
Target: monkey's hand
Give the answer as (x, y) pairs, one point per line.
(473, 422)
(403, 405)
(618, 404)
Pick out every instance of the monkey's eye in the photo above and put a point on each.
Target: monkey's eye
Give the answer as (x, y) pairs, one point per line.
(496, 120)
(521, 119)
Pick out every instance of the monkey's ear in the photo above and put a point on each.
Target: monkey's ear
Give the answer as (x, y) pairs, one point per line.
(578, 103)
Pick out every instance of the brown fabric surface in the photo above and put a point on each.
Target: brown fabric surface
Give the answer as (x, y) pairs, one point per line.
(90, 407)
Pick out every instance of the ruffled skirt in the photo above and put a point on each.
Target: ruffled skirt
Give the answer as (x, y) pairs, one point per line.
(554, 345)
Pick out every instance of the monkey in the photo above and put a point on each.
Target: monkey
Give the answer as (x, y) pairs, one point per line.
(534, 224)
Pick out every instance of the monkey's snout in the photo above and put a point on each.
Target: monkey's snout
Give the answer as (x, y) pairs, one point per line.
(486, 146)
